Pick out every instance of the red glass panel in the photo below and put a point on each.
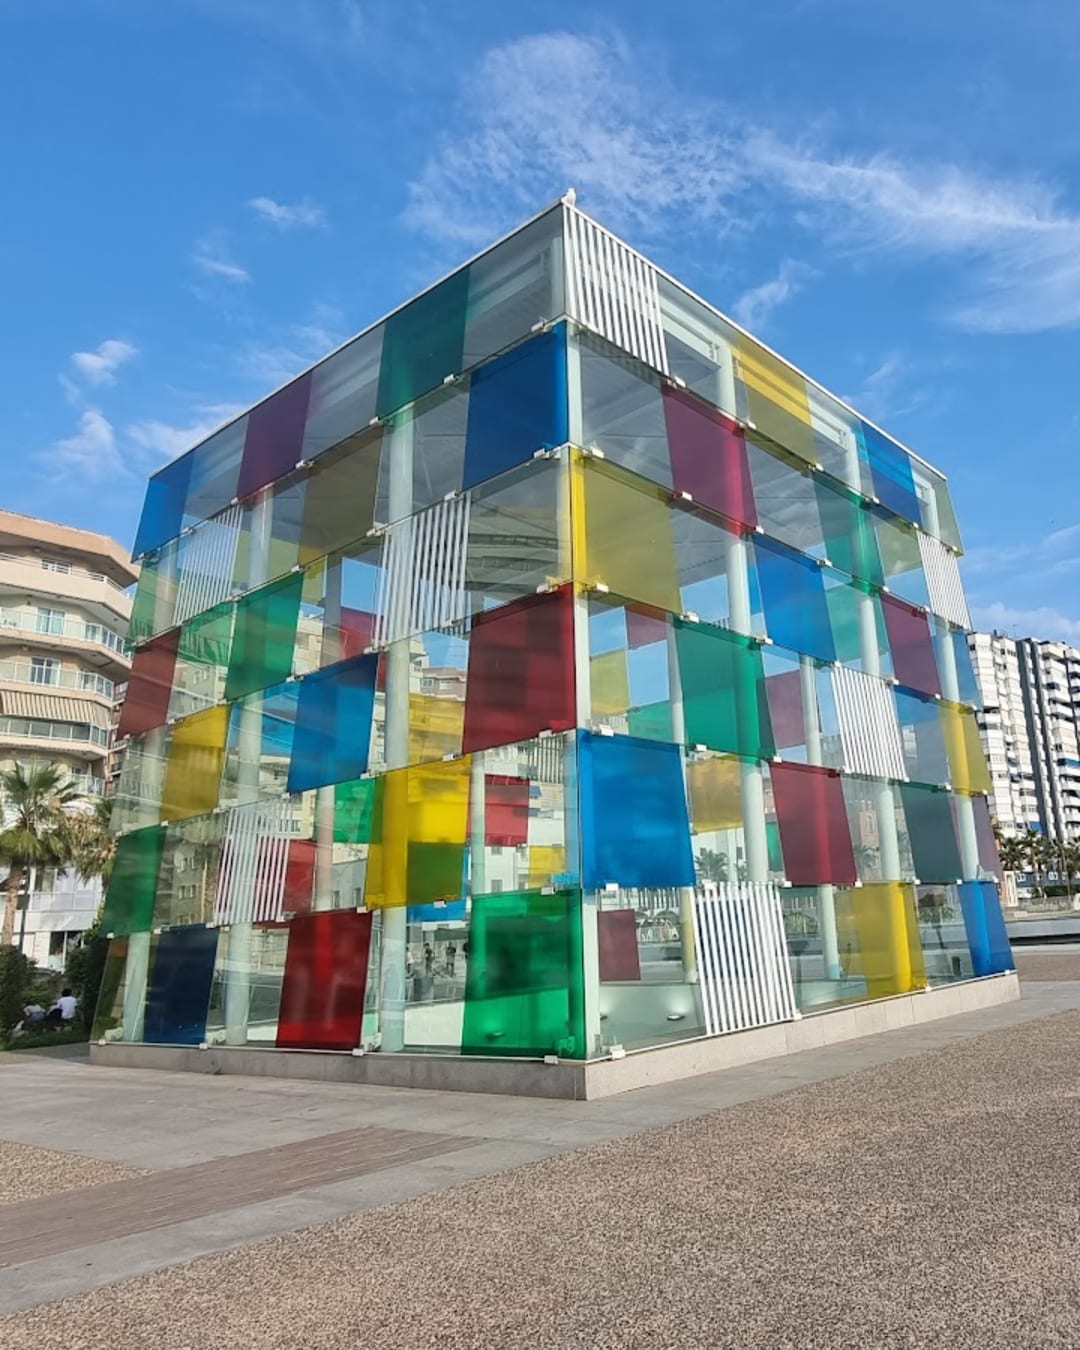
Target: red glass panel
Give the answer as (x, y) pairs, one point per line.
(911, 645)
(506, 810)
(322, 996)
(708, 457)
(784, 693)
(643, 627)
(813, 825)
(146, 704)
(356, 629)
(617, 946)
(299, 876)
(521, 671)
(274, 441)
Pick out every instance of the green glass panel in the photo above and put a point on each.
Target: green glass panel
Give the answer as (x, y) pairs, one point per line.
(850, 542)
(436, 872)
(423, 343)
(354, 807)
(524, 990)
(652, 722)
(772, 844)
(723, 686)
(264, 637)
(129, 902)
(843, 604)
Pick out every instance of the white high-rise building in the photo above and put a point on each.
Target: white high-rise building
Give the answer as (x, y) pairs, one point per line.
(1030, 724)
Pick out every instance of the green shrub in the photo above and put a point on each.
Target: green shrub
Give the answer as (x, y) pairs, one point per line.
(16, 977)
(84, 971)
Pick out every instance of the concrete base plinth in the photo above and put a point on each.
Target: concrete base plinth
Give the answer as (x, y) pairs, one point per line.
(569, 1079)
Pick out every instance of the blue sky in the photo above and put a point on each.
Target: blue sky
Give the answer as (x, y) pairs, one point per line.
(202, 196)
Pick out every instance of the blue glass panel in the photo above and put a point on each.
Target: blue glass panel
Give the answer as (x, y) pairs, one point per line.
(890, 471)
(178, 994)
(985, 925)
(634, 824)
(436, 913)
(333, 724)
(163, 507)
(793, 598)
(517, 405)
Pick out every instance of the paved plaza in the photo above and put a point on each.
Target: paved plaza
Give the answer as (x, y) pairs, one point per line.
(921, 1187)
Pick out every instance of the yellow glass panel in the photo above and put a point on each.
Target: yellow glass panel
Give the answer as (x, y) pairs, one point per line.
(609, 683)
(967, 763)
(435, 726)
(545, 862)
(421, 828)
(627, 542)
(193, 769)
(715, 795)
(878, 932)
(776, 399)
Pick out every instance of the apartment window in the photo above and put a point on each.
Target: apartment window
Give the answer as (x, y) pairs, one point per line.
(44, 671)
(55, 565)
(50, 620)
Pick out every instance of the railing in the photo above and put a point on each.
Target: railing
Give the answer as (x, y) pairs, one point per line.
(62, 568)
(25, 672)
(60, 625)
(53, 731)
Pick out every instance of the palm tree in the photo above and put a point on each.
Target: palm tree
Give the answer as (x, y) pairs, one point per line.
(36, 828)
(93, 842)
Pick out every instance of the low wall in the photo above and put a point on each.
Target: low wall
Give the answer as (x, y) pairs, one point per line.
(568, 1078)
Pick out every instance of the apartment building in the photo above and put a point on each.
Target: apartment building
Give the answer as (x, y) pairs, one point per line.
(64, 613)
(1029, 690)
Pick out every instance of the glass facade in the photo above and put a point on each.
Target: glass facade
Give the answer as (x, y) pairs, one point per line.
(551, 669)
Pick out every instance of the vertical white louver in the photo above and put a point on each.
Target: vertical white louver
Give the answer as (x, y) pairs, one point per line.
(943, 579)
(422, 585)
(742, 958)
(613, 290)
(869, 731)
(206, 562)
(254, 857)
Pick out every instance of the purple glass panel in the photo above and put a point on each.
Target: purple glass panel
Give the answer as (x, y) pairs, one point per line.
(813, 825)
(708, 457)
(911, 645)
(275, 436)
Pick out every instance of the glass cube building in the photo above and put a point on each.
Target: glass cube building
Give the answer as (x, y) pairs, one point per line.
(551, 669)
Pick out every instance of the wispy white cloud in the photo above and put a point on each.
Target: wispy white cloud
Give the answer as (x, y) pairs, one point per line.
(303, 214)
(643, 151)
(100, 366)
(879, 394)
(162, 441)
(755, 306)
(1053, 554)
(647, 156)
(1043, 621)
(91, 452)
(212, 258)
(271, 364)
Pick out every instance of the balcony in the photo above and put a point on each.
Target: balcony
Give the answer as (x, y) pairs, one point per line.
(46, 577)
(81, 735)
(57, 629)
(85, 681)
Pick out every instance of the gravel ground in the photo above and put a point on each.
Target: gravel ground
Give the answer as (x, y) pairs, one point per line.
(934, 1201)
(1047, 965)
(31, 1173)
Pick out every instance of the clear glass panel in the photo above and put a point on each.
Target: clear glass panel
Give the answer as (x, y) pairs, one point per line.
(154, 605)
(514, 286)
(786, 498)
(524, 993)
(635, 828)
(333, 724)
(628, 671)
(129, 900)
(149, 686)
(901, 560)
(178, 992)
(339, 503)
(255, 957)
(516, 542)
(517, 405)
(954, 663)
(427, 441)
(521, 671)
(922, 737)
(193, 769)
(874, 811)
(187, 883)
(725, 705)
(202, 661)
(322, 997)
(264, 637)
(714, 567)
(941, 929)
(261, 732)
(343, 395)
(622, 409)
(138, 793)
(109, 1014)
(268, 544)
(215, 472)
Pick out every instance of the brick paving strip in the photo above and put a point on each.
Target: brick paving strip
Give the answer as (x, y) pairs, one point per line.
(35, 1229)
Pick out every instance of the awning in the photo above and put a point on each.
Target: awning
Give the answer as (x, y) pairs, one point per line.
(52, 707)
